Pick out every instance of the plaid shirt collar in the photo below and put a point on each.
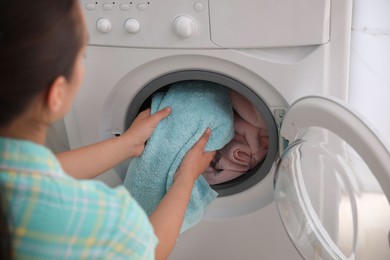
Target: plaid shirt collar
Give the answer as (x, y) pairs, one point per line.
(27, 156)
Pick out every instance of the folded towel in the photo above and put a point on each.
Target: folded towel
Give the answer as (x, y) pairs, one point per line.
(195, 105)
(230, 162)
(248, 147)
(247, 110)
(256, 138)
(236, 156)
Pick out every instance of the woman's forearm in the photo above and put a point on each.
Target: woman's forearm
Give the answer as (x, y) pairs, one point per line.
(168, 216)
(92, 160)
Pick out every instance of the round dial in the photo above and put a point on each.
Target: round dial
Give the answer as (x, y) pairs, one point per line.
(184, 26)
(103, 25)
(132, 26)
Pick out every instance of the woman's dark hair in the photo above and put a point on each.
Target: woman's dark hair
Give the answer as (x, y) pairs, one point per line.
(39, 41)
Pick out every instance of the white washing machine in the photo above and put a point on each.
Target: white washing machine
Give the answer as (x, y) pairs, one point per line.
(290, 59)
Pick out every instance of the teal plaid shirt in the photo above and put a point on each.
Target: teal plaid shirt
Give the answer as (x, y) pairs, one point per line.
(53, 216)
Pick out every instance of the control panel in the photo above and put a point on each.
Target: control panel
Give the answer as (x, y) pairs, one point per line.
(148, 24)
(208, 23)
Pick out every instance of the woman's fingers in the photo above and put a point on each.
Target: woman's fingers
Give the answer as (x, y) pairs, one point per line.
(160, 115)
(201, 144)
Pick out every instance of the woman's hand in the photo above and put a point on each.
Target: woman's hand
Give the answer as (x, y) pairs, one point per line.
(196, 160)
(90, 161)
(142, 128)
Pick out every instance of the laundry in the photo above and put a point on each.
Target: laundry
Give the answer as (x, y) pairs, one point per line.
(196, 105)
(247, 110)
(248, 147)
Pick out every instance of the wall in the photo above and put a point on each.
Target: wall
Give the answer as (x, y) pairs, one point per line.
(369, 82)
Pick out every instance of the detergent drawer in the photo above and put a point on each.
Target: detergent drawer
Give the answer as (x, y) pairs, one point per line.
(269, 23)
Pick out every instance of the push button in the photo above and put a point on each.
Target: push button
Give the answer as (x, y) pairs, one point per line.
(142, 7)
(90, 7)
(107, 7)
(198, 6)
(124, 7)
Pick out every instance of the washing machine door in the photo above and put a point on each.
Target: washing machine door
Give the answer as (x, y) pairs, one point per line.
(332, 183)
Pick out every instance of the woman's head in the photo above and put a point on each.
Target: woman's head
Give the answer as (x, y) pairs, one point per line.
(40, 44)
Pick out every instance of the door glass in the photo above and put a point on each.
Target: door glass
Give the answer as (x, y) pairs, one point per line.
(331, 204)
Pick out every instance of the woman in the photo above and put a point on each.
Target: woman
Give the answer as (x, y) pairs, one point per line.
(46, 211)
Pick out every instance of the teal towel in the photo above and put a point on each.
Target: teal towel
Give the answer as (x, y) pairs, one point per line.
(195, 105)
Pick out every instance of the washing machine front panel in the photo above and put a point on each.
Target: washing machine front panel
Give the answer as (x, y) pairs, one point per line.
(332, 183)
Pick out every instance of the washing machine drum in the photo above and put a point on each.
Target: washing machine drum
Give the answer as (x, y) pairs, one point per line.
(264, 163)
(332, 183)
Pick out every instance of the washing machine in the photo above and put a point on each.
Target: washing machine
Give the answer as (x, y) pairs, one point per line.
(322, 190)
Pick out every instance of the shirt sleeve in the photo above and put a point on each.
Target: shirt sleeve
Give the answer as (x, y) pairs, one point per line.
(67, 218)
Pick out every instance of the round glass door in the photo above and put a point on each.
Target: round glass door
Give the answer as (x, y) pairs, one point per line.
(330, 202)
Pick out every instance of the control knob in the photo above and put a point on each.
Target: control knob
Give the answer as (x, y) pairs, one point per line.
(103, 25)
(184, 26)
(132, 25)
